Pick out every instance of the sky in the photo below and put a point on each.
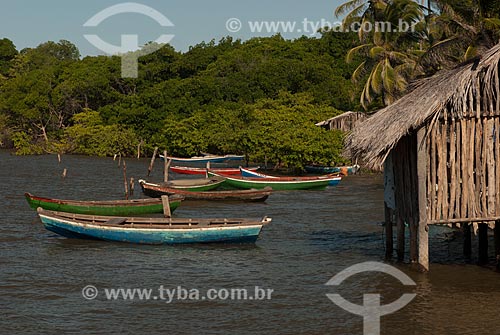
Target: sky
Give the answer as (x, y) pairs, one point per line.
(29, 23)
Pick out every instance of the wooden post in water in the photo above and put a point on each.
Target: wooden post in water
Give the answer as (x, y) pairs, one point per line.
(65, 171)
(413, 228)
(483, 243)
(139, 149)
(389, 206)
(400, 243)
(389, 247)
(125, 178)
(422, 227)
(132, 185)
(59, 158)
(152, 161)
(496, 233)
(497, 244)
(166, 166)
(166, 206)
(466, 229)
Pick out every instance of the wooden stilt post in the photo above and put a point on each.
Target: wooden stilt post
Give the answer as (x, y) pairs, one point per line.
(59, 158)
(65, 171)
(166, 166)
(400, 243)
(389, 234)
(497, 244)
(413, 240)
(422, 228)
(151, 164)
(466, 229)
(125, 178)
(483, 243)
(389, 247)
(132, 185)
(389, 205)
(166, 206)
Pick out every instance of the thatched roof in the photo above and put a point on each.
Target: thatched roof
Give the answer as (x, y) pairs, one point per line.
(345, 121)
(452, 92)
(336, 118)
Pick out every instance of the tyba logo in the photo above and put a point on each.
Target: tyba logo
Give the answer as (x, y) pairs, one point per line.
(128, 42)
(371, 310)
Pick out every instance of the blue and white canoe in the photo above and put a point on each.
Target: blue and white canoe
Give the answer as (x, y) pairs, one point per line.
(143, 230)
(334, 181)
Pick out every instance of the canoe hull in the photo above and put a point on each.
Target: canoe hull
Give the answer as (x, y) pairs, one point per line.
(75, 229)
(139, 207)
(202, 171)
(203, 159)
(259, 181)
(331, 169)
(255, 195)
(190, 185)
(278, 186)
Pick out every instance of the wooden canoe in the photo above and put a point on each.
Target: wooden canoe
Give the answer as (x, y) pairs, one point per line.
(334, 181)
(281, 183)
(202, 171)
(152, 230)
(192, 185)
(319, 169)
(157, 190)
(203, 159)
(110, 207)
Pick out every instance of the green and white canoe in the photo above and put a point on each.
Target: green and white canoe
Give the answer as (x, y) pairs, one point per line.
(280, 183)
(108, 208)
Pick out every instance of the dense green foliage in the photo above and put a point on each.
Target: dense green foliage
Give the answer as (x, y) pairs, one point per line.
(260, 98)
(445, 34)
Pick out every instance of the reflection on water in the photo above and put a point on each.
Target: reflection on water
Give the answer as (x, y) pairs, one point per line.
(314, 235)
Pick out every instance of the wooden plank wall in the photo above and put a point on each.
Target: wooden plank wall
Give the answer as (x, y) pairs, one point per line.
(405, 179)
(463, 169)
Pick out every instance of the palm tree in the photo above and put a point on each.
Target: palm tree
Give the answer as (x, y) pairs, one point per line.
(462, 30)
(355, 9)
(390, 57)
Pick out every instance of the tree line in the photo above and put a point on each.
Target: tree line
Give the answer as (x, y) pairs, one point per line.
(260, 97)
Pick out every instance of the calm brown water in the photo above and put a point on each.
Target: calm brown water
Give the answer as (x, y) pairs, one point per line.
(314, 235)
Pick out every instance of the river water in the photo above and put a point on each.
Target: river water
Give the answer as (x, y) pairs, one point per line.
(314, 235)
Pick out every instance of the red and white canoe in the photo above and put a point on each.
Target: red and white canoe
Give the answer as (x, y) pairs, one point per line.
(203, 171)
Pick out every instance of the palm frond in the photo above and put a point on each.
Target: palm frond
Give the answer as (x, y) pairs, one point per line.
(375, 79)
(376, 51)
(348, 6)
(351, 53)
(388, 76)
(471, 52)
(359, 72)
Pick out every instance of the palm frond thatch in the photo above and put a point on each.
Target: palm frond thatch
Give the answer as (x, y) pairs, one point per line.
(449, 91)
(344, 122)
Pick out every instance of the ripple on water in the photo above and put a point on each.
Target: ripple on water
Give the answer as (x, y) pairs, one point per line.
(314, 235)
